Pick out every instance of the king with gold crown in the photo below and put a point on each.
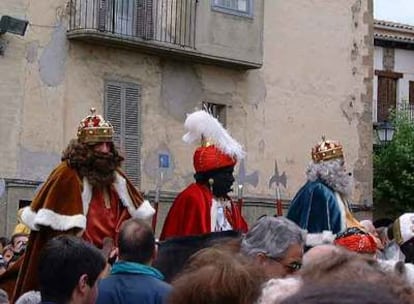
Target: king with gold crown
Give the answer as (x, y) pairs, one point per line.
(87, 195)
(321, 205)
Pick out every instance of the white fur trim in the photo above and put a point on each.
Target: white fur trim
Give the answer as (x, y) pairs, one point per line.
(47, 217)
(315, 239)
(28, 218)
(121, 188)
(145, 211)
(86, 195)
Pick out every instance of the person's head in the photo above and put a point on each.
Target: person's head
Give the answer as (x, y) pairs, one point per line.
(8, 254)
(342, 266)
(215, 158)
(354, 239)
(93, 153)
(276, 244)
(220, 180)
(217, 277)
(276, 290)
(68, 270)
(4, 298)
(3, 243)
(319, 252)
(136, 242)
(344, 293)
(19, 242)
(30, 297)
(328, 165)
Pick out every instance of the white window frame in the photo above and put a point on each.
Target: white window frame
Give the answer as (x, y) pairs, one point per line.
(218, 5)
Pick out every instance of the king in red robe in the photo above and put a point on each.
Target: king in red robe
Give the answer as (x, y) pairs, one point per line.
(86, 195)
(205, 206)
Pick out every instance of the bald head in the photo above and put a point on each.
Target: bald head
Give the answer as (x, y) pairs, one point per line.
(136, 242)
(319, 252)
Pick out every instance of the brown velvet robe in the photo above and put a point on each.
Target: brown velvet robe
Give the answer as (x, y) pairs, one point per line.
(58, 208)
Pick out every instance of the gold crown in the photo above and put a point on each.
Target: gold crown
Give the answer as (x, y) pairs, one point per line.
(326, 150)
(94, 129)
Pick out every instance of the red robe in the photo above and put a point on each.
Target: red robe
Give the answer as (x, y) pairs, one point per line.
(61, 207)
(190, 214)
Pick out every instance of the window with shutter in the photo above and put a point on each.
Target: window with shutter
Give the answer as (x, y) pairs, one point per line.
(144, 20)
(123, 110)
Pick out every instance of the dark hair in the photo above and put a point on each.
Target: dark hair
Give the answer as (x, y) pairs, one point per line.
(97, 167)
(16, 235)
(4, 241)
(63, 260)
(136, 242)
(344, 293)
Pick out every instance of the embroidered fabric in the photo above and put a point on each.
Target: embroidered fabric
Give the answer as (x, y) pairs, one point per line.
(219, 220)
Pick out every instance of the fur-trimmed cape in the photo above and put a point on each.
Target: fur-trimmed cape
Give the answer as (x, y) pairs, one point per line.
(61, 207)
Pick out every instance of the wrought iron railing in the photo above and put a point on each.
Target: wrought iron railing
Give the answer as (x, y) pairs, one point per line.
(167, 21)
(385, 115)
(407, 109)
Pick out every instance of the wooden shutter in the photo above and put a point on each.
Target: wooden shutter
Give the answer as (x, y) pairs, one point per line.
(387, 97)
(113, 108)
(411, 93)
(102, 13)
(132, 133)
(144, 20)
(123, 110)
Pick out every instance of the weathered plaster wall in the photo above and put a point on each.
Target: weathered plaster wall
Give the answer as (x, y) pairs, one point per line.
(316, 80)
(12, 80)
(317, 70)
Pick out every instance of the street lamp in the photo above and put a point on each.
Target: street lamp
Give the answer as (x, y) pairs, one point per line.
(384, 131)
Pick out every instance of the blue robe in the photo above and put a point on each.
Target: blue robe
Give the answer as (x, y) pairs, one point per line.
(316, 209)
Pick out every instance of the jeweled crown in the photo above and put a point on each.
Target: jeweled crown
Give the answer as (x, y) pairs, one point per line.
(94, 129)
(327, 150)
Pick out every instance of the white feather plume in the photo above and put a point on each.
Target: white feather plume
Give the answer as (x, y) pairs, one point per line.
(201, 123)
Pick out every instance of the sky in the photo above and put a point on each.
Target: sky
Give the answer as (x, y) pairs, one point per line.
(395, 10)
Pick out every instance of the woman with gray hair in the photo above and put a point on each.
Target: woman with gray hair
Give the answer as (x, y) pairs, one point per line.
(276, 245)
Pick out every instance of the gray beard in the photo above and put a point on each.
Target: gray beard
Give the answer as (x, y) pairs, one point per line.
(332, 174)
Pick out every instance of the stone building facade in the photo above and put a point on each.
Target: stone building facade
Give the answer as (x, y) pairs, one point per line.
(280, 74)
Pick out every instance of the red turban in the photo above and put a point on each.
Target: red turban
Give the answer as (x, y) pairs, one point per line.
(210, 158)
(356, 240)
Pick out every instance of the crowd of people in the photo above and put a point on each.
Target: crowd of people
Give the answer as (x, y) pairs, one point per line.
(86, 236)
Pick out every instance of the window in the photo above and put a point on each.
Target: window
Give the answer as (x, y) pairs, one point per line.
(411, 93)
(236, 7)
(126, 17)
(387, 93)
(123, 110)
(217, 110)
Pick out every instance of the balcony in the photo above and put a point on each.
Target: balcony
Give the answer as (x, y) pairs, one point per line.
(180, 29)
(403, 107)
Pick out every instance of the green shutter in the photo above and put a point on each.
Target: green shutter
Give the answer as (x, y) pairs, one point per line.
(123, 110)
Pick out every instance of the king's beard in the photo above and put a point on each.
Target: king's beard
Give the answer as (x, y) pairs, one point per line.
(332, 174)
(99, 169)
